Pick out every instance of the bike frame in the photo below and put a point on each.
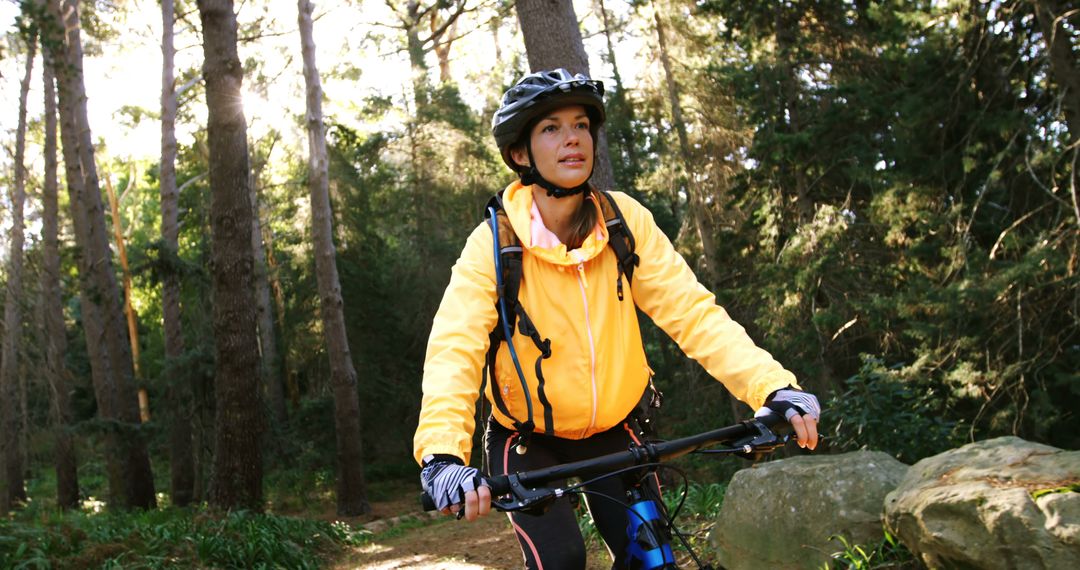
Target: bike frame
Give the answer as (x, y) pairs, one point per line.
(650, 528)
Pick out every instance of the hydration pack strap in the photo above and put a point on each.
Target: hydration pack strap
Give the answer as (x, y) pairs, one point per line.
(526, 327)
(621, 241)
(526, 427)
(510, 254)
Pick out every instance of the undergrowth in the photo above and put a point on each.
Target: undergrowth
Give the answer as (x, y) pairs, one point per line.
(170, 538)
(888, 553)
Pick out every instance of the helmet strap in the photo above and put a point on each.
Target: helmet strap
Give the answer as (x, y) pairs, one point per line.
(531, 175)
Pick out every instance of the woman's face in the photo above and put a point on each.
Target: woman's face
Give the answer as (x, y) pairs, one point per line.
(562, 146)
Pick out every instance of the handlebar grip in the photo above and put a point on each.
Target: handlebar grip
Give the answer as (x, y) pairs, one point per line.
(427, 502)
(771, 420)
(500, 484)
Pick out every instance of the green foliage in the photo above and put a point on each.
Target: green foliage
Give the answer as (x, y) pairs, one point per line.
(699, 511)
(1071, 488)
(703, 500)
(898, 411)
(875, 220)
(888, 553)
(170, 537)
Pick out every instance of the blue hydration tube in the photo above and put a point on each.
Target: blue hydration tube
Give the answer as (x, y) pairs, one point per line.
(502, 312)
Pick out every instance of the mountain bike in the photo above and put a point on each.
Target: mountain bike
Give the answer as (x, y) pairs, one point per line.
(651, 527)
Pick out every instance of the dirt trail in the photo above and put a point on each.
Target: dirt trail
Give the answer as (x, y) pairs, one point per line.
(419, 541)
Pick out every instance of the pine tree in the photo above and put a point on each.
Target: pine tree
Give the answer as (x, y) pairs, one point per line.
(351, 491)
(12, 485)
(181, 460)
(238, 421)
(57, 374)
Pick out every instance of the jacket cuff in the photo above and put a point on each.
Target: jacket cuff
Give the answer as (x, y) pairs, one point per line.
(440, 448)
(773, 382)
(444, 457)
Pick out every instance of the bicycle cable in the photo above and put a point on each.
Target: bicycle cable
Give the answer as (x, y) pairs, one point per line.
(669, 518)
(627, 508)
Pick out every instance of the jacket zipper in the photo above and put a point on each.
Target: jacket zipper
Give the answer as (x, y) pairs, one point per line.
(584, 284)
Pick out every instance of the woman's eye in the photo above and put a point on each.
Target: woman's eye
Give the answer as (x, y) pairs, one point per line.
(549, 129)
(583, 125)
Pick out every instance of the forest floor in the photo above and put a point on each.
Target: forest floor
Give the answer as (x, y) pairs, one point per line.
(404, 537)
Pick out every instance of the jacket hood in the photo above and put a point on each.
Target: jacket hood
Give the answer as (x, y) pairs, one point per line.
(518, 201)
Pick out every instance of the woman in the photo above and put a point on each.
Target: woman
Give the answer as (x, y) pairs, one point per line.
(596, 373)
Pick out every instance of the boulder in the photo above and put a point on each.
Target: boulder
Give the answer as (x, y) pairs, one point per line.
(782, 514)
(1000, 503)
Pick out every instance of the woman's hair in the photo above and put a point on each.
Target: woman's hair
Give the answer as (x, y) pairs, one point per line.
(583, 221)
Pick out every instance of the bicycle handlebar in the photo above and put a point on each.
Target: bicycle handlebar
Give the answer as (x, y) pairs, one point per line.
(752, 435)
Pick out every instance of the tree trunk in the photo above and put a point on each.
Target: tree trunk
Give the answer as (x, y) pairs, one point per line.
(442, 47)
(787, 30)
(495, 23)
(415, 47)
(88, 305)
(129, 310)
(52, 307)
(292, 388)
(131, 480)
(12, 486)
(181, 461)
(273, 388)
(698, 209)
(620, 101)
(351, 493)
(238, 422)
(1051, 19)
(553, 40)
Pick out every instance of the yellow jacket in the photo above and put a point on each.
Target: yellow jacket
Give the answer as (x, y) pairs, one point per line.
(597, 372)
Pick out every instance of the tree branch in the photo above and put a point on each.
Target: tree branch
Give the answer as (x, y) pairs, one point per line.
(439, 31)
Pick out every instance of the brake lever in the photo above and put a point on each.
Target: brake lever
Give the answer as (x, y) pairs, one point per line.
(524, 499)
(762, 442)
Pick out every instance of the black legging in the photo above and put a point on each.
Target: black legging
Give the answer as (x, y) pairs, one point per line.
(552, 540)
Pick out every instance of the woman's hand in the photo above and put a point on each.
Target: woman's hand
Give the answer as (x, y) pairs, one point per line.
(800, 409)
(454, 487)
(477, 504)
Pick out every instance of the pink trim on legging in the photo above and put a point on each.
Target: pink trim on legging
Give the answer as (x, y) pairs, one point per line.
(634, 437)
(532, 547)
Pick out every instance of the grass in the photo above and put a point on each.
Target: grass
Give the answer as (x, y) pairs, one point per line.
(294, 532)
(405, 525)
(888, 553)
(171, 537)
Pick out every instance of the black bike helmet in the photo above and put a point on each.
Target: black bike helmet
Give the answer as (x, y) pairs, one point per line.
(532, 97)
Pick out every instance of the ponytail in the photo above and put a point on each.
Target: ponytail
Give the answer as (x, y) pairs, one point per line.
(583, 222)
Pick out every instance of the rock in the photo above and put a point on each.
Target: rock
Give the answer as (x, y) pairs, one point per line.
(782, 514)
(973, 507)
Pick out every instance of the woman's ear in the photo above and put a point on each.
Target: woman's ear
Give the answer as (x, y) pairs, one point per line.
(520, 156)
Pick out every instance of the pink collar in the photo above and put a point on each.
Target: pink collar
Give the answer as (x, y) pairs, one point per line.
(543, 237)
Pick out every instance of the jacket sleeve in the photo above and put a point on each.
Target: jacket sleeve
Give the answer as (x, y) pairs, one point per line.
(455, 352)
(666, 289)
